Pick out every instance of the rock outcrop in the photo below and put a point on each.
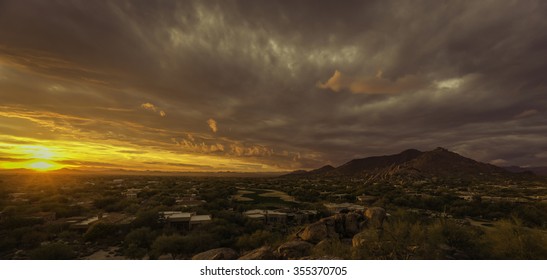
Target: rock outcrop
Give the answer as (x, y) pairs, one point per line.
(352, 224)
(342, 225)
(217, 254)
(262, 253)
(375, 216)
(294, 249)
(315, 232)
(365, 236)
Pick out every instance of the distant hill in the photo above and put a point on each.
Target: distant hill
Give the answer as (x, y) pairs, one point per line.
(539, 170)
(410, 164)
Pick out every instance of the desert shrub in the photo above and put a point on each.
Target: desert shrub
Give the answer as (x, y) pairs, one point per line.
(14, 222)
(511, 240)
(142, 238)
(33, 239)
(7, 244)
(257, 239)
(532, 215)
(332, 248)
(406, 236)
(459, 237)
(134, 252)
(149, 218)
(174, 245)
(53, 251)
(101, 231)
(104, 202)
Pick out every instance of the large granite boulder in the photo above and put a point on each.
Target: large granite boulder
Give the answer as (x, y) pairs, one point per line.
(341, 225)
(314, 232)
(262, 253)
(365, 236)
(294, 249)
(375, 216)
(217, 254)
(352, 224)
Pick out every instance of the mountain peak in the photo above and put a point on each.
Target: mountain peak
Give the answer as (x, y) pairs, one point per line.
(412, 164)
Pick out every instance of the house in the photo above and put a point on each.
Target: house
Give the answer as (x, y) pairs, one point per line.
(337, 207)
(107, 218)
(367, 198)
(19, 197)
(189, 201)
(299, 217)
(85, 223)
(131, 193)
(268, 216)
(183, 220)
(197, 220)
(45, 216)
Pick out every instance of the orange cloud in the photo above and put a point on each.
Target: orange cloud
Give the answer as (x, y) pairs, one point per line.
(372, 85)
(153, 108)
(212, 125)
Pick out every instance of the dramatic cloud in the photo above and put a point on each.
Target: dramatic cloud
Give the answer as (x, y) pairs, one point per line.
(281, 85)
(372, 85)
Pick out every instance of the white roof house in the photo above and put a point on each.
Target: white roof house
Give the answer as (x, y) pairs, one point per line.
(184, 219)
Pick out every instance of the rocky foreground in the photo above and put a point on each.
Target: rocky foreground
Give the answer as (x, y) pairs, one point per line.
(351, 227)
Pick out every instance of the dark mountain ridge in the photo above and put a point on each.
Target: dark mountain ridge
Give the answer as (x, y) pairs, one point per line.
(410, 164)
(537, 170)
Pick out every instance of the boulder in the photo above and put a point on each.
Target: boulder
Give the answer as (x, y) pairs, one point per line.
(324, 245)
(262, 253)
(352, 224)
(375, 216)
(314, 232)
(325, 257)
(217, 254)
(341, 225)
(364, 237)
(294, 249)
(333, 225)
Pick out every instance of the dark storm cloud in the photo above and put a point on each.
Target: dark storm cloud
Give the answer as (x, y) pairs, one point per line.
(468, 76)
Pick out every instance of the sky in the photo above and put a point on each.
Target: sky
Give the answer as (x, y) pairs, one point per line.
(260, 86)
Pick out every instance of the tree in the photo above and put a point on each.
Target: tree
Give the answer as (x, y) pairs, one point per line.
(174, 245)
(138, 242)
(141, 237)
(148, 219)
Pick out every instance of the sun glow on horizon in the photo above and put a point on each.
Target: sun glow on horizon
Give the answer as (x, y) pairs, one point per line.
(34, 157)
(43, 166)
(47, 155)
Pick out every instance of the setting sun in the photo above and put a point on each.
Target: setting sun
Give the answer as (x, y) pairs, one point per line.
(43, 166)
